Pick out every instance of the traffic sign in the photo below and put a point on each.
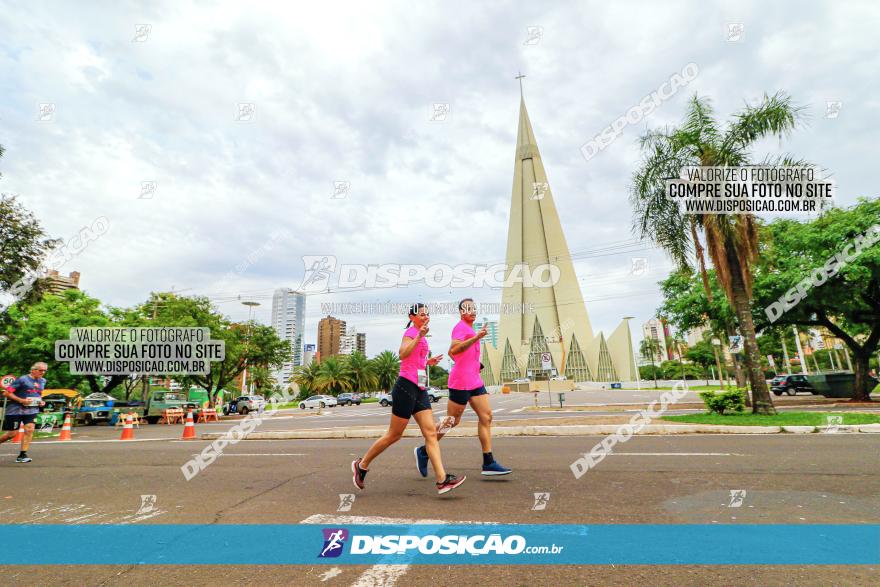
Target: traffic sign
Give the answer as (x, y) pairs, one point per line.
(546, 361)
(7, 380)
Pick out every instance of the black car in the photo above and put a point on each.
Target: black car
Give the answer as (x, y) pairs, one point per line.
(791, 385)
(346, 399)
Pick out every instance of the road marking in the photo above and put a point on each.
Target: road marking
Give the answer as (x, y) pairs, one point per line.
(264, 454)
(377, 575)
(498, 410)
(676, 454)
(108, 440)
(518, 410)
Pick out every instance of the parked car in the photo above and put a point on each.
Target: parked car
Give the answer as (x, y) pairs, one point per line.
(521, 380)
(346, 399)
(384, 399)
(318, 401)
(791, 385)
(435, 394)
(558, 378)
(250, 403)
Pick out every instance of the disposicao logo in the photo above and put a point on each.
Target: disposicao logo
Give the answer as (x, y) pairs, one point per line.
(334, 541)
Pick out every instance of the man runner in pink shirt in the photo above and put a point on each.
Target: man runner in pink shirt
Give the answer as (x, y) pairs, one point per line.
(466, 387)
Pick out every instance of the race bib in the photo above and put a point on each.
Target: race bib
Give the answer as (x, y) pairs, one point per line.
(423, 378)
(33, 402)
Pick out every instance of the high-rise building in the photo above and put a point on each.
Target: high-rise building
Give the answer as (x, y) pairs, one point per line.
(491, 329)
(658, 330)
(55, 284)
(361, 342)
(558, 324)
(288, 317)
(331, 332)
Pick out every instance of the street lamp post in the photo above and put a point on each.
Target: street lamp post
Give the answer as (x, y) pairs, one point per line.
(251, 305)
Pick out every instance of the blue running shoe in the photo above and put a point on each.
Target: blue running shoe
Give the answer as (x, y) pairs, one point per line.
(495, 468)
(421, 460)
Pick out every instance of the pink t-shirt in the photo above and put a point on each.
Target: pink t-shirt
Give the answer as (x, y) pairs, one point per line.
(465, 372)
(417, 360)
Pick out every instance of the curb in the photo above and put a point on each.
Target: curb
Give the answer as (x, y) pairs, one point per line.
(575, 430)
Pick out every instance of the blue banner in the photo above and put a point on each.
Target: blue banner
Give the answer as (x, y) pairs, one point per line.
(509, 544)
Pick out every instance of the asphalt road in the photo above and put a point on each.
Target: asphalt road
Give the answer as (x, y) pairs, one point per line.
(671, 479)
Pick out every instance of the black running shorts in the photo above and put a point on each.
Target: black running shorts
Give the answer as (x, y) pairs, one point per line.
(407, 398)
(13, 421)
(463, 396)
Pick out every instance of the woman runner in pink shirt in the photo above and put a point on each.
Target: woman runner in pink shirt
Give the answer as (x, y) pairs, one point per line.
(466, 387)
(409, 399)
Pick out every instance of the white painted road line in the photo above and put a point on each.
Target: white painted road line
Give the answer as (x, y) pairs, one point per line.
(676, 454)
(263, 454)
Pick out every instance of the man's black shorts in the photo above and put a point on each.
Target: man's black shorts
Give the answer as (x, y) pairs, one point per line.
(463, 396)
(13, 421)
(407, 398)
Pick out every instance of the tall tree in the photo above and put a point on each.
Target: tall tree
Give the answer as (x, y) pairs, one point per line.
(650, 347)
(386, 366)
(363, 377)
(23, 247)
(334, 376)
(846, 303)
(731, 240)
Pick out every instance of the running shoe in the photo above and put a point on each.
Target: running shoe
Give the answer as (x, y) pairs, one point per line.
(421, 460)
(24, 459)
(358, 474)
(450, 483)
(495, 468)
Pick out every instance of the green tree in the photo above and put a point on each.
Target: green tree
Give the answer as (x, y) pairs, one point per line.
(363, 377)
(387, 367)
(846, 303)
(650, 347)
(334, 376)
(703, 355)
(731, 240)
(31, 332)
(23, 247)
(306, 377)
(245, 344)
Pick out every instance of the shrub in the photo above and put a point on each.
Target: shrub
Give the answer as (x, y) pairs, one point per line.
(726, 401)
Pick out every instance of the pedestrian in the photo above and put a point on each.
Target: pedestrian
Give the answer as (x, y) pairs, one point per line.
(24, 398)
(409, 399)
(466, 387)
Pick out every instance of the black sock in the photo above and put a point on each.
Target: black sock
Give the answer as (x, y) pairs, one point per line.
(22, 454)
(488, 459)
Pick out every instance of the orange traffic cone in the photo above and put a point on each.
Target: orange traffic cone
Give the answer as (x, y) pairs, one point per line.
(19, 437)
(65, 428)
(189, 429)
(127, 430)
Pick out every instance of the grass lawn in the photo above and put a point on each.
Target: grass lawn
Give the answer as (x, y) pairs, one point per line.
(369, 400)
(781, 419)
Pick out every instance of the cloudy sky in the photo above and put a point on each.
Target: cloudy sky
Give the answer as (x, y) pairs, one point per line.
(344, 92)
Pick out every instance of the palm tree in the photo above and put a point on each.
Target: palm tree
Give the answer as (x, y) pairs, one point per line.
(333, 376)
(363, 377)
(676, 344)
(386, 366)
(650, 347)
(306, 376)
(731, 240)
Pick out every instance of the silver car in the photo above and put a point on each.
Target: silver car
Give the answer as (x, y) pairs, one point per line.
(318, 401)
(250, 403)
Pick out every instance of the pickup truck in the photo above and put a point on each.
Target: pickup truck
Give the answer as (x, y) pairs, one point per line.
(160, 400)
